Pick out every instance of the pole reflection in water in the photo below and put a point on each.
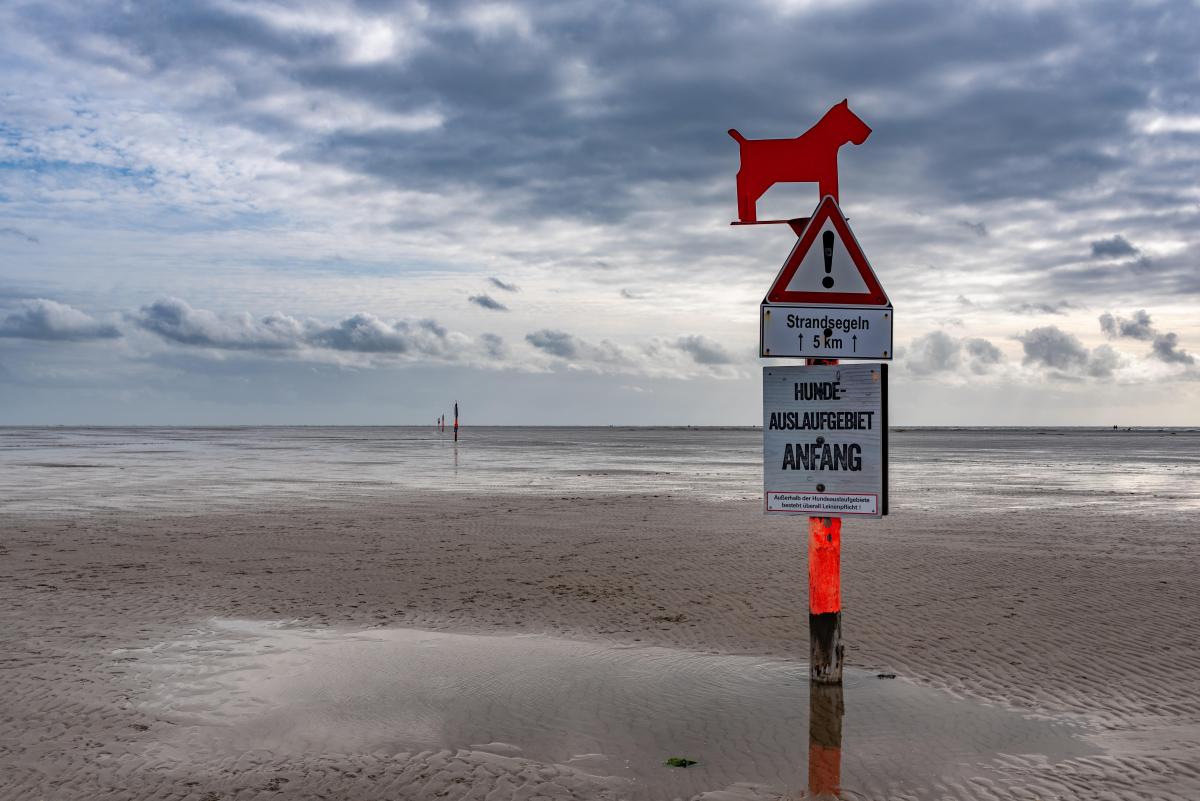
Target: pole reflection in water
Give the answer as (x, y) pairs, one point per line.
(825, 711)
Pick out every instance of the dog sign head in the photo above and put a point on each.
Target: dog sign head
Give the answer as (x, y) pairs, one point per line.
(809, 157)
(846, 120)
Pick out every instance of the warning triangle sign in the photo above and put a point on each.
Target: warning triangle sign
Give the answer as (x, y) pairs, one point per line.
(827, 266)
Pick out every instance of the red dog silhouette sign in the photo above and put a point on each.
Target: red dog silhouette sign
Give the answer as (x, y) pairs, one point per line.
(811, 156)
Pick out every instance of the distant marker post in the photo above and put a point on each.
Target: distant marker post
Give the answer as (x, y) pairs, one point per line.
(456, 421)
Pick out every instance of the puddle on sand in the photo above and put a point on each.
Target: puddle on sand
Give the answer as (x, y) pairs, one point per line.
(605, 710)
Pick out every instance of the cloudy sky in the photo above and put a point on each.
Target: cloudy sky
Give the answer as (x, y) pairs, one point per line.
(248, 212)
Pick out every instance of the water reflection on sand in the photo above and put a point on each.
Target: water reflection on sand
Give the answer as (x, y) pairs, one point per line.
(611, 711)
(825, 711)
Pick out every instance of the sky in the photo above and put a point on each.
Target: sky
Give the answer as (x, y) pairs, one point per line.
(238, 212)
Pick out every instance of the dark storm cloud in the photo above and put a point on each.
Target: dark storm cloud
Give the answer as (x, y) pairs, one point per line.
(1136, 327)
(505, 285)
(556, 343)
(939, 352)
(570, 112)
(1050, 346)
(159, 39)
(52, 321)
(703, 350)
(1115, 247)
(1053, 348)
(661, 110)
(487, 302)
(1166, 348)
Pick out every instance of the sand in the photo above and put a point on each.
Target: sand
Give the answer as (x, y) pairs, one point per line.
(1092, 618)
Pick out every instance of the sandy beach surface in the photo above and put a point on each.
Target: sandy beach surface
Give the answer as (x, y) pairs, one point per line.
(119, 629)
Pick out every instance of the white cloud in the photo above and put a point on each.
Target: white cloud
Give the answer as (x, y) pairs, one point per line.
(491, 20)
(1156, 122)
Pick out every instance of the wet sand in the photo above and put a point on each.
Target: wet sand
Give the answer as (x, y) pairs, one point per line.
(1091, 620)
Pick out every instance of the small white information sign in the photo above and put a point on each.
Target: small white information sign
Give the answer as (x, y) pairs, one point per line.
(825, 332)
(825, 440)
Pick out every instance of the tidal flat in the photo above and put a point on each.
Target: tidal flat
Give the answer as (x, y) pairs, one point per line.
(564, 630)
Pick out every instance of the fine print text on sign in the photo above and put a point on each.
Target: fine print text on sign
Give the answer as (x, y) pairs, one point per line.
(825, 440)
(825, 332)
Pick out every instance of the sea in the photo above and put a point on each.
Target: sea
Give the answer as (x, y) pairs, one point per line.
(56, 471)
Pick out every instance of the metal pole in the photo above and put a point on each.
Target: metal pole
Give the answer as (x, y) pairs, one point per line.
(825, 593)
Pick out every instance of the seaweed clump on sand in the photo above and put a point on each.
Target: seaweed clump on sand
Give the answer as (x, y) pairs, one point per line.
(679, 762)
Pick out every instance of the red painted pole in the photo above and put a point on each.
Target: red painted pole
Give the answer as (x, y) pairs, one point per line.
(825, 593)
(825, 599)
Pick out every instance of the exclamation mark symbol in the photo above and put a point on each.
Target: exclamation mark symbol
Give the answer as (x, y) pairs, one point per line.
(827, 281)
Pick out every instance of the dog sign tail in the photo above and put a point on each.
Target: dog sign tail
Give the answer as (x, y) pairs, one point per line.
(734, 133)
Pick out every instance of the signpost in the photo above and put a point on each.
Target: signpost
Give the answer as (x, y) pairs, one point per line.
(824, 425)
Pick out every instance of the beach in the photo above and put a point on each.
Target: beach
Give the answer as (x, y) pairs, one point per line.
(1074, 605)
(494, 401)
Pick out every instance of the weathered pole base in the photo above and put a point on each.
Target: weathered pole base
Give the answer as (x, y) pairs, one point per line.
(825, 647)
(825, 712)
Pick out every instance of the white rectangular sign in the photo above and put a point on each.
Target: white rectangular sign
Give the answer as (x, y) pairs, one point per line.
(825, 440)
(825, 332)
